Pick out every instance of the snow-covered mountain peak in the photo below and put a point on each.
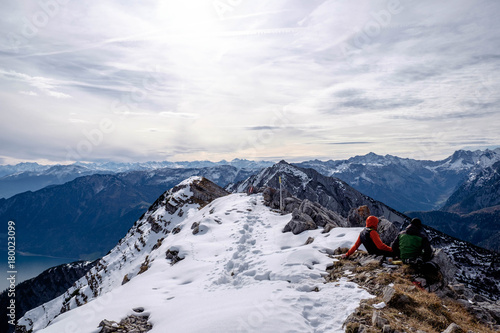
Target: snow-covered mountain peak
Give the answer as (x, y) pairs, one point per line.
(226, 267)
(471, 160)
(270, 177)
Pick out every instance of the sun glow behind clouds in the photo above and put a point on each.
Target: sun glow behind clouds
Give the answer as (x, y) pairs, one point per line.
(194, 22)
(206, 75)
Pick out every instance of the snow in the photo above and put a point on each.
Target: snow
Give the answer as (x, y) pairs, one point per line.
(240, 273)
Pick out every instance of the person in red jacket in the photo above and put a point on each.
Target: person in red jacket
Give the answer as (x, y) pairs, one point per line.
(370, 238)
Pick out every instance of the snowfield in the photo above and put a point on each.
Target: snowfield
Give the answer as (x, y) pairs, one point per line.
(240, 273)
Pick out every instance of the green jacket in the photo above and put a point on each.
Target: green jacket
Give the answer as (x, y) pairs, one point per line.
(412, 243)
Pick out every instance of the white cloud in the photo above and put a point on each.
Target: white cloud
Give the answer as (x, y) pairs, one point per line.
(29, 93)
(205, 82)
(43, 84)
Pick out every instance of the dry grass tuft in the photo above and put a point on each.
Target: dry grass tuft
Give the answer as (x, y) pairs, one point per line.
(416, 309)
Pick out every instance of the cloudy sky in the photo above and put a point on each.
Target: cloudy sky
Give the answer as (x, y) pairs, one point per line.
(221, 79)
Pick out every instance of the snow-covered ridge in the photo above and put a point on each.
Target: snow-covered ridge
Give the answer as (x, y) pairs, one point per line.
(226, 267)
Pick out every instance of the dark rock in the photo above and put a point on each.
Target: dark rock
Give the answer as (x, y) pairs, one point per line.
(158, 244)
(272, 199)
(393, 298)
(309, 240)
(493, 309)
(130, 324)
(458, 288)
(357, 216)
(340, 250)
(299, 223)
(173, 256)
(195, 227)
(156, 227)
(387, 231)
(328, 227)
(446, 266)
(310, 215)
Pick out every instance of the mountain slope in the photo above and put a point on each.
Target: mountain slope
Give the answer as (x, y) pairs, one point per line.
(472, 213)
(84, 218)
(195, 263)
(64, 220)
(330, 192)
(481, 228)
(48, 285)
(407, 184)
(480, 191)
(200, 259)
(13, 184)
(477, 268)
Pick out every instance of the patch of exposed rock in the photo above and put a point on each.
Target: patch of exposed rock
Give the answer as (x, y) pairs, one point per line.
(406, 300)
(308, 215)
(132, 323)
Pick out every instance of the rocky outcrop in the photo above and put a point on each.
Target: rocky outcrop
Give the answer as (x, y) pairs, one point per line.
(406, 300)
(387, 230)
(300, 222)
(330, 192)
(310, 215)
(272, 199)
(358, 216)
(132, 323)
(306, 215)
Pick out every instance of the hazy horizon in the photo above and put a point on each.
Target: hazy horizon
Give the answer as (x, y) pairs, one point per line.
(296, 160)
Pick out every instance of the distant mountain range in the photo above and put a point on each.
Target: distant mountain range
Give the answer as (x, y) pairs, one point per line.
(480, 191)
(65, 218)
(24, 177)
(407, 184)
(472, 212)
(402, 183)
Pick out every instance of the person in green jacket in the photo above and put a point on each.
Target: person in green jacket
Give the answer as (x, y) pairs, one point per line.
(413, 243)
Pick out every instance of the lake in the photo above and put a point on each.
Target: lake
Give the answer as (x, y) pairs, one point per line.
(29, 266)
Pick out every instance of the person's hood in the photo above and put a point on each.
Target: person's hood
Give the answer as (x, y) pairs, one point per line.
(414, 230)
(372, 222)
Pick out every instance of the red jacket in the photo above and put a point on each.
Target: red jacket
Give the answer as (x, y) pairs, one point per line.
(371, 223)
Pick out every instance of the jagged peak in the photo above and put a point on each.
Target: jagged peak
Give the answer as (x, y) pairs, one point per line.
(195, 189)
